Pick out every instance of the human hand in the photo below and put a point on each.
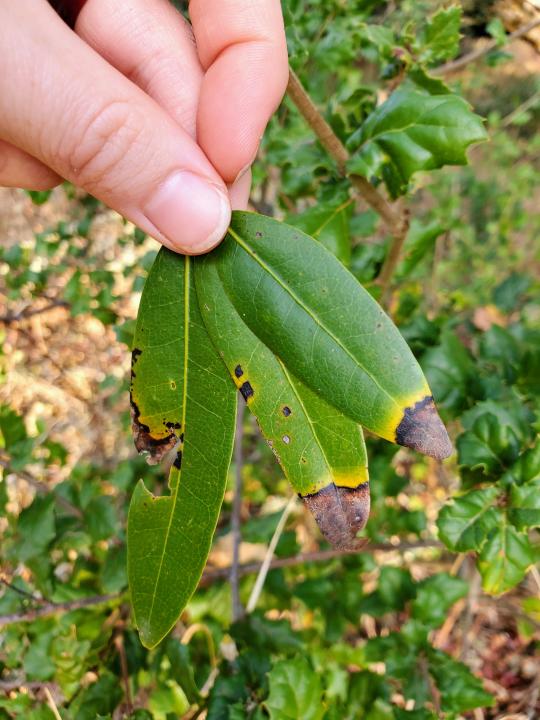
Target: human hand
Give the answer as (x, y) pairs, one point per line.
(159, 120)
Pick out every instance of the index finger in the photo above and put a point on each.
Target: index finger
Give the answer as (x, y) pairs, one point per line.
(242, 48)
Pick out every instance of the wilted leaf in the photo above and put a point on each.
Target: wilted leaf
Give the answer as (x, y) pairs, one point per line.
(184, 396)
(466, 521)
(413, 131)
(328, 331)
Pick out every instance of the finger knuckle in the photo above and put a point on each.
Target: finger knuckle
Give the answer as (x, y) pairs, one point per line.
(102, 143)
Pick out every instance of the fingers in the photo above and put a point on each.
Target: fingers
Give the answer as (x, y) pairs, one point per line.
(242, 48)
(18, 169)
(74, 112)
(149, 42)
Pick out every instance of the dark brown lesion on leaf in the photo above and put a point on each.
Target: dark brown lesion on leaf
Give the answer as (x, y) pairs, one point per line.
(246, 390)
(422, 429)
(135, 355)
(286, 410)
(157, 448)
(238, 371)
(178, 460)
(341, 513)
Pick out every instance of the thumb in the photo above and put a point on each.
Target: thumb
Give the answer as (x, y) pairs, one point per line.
(62, 103)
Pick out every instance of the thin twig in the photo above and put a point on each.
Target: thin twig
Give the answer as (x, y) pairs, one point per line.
(212, 574)
(396, 223)
(29, 312)
(523, 107)
(119, 645)
(51, 703)
(265, 567)
(215, 574)
(237, 609)
(7, 686)
(474, 55)
(51, 608)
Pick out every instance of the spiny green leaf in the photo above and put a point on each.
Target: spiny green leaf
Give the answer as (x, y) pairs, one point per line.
(328, 331)
(435, 596)
(295, 691)
(465, 522)
(451, 371)
(504, 559)
(184, 397)
(524, 509)
(460, 690)
(413, 131)
(438, 40)
(321, 452)
(488, 445)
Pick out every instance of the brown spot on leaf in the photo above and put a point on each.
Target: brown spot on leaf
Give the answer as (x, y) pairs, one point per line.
(178, 460)
(246, 390)
(238, 371)
(421, 429)
(286, 411)
(156, 448)
(341, 513)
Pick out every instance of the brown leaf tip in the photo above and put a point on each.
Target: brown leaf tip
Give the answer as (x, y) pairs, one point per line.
(341, 513)
(422, 429)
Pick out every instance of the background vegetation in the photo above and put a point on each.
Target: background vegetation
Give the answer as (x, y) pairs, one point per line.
(440, 616)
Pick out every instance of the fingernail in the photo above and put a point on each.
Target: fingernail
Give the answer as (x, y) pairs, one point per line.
(191, 212)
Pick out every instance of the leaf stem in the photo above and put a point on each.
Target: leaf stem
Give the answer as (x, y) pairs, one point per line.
(397, 223)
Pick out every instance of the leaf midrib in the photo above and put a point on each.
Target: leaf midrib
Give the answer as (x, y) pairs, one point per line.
(304, 307)
(174, 494)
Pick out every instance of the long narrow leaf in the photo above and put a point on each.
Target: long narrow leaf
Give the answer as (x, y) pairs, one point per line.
(320, 450)
(183, 399)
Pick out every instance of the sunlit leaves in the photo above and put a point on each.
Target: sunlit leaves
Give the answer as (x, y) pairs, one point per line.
(413, 131)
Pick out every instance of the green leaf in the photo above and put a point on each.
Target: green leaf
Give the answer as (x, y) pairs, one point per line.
(329, 223)
(413, 131)
(524, 508)
(295, 691)
(504, 559)
(435, 596)
(327, 330)
(419, 243)
(460, 690)
(466, 521)
(183, 395)
(394, 589)
(36, 529)
(439, 38)
(488, 445)
(451, 371)
(322, 453)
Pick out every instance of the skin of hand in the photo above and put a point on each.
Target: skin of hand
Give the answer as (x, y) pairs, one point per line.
(157, 118)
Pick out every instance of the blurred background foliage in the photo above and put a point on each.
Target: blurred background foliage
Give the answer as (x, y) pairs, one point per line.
(440, 616)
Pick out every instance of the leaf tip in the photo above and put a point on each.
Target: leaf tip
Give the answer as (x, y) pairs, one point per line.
(341, 512)
(422, 429)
